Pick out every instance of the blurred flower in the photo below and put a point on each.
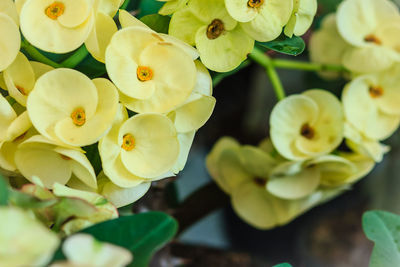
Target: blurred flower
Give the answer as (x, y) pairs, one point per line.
(302, 17)
(220, 40)
(171, 6)
(10, 39)
(57, 26)
(307, 125)
(142, 148)
(69, 108)
(84, 250)
(371, 104)
(373, 28)
(23, 240)
(51, 163)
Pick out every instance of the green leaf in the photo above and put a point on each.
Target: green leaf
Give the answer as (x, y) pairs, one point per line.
(291, 46)
(3, 191)
(142, 234)
(157, 22)
(383, 228)
(147, 7)
(93, 155)
(283, 265)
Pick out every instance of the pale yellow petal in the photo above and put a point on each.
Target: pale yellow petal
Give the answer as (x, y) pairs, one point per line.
(10, 41)
(185, 144)
(9, 8)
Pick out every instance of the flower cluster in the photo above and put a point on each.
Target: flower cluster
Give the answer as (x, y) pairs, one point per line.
(224, 31)
(50, 117)
(361, 35)
(300, 167)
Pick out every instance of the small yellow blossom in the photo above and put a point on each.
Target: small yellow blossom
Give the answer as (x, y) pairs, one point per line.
(84, 250)
(24, 241)
(307, 125)
(57, 26)
(69, 108)
(10, 39)
(42, 158)
(302, 17)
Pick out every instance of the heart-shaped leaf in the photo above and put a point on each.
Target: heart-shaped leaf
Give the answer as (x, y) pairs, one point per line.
(291, 46)
(383, 228)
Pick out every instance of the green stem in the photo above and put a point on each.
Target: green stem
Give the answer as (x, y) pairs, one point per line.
(125, 4)
(264, 60)
(36, 55)
(76, 58)
(306, 66)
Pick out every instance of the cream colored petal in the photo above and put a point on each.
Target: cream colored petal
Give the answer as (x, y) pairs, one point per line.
(287, 119)
(101, 35)
(156, 146)
(368, 59)
(328, 128)
(48, 34)
(7, 116)
(174, 75)
(39, 68)
(83, 249)
(185, 144)
(19, 126)
(267, 26)
(38, 159)
(204, 81)
(358, 18)
(122, 196)
(19, 4)
(208, 10)
(190, 50)
(364, 165)
(171, 7)
(80, 166)
(255, 161)
(75, 13)
(20, 79)
(96, 126)
(194, 113)
(184, 25)
(109, 7)
(10, 41)
(226, 52)
(295, 186)
(361, 111)
(127, 20)
(56, 95)
(302, 17)
(389, 82)
(9, 8)
(240, 11)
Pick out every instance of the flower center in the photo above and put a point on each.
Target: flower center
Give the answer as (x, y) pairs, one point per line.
(21, 90)
(215, 29)
(78, 116)
(55, 10)
(372, 39)
(144, 73)
(375, 91)
(260, 181)
(307, 131)
(255, 3)
(128, 142)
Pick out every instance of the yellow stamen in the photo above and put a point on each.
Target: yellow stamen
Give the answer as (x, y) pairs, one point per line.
(372, 39)
(215, 29)
(307, 131)
(128, 142)
(55, 10)
(375, 91)
(78, 116)
(255, 3)
(144, 73)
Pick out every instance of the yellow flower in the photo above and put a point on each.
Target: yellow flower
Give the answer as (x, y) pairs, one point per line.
(372, 27)
(171, 6)
(21, 75)
(142, 148)
(220, 40)
(327, 46)
(302, 17)
(42, 158)
(370, 104)
(307, 125)
(152, 74)
(84, 250)
(243, 172)
(24, 241)
(10, 39)
(263, 20)
(57, 26)
(69, 108)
